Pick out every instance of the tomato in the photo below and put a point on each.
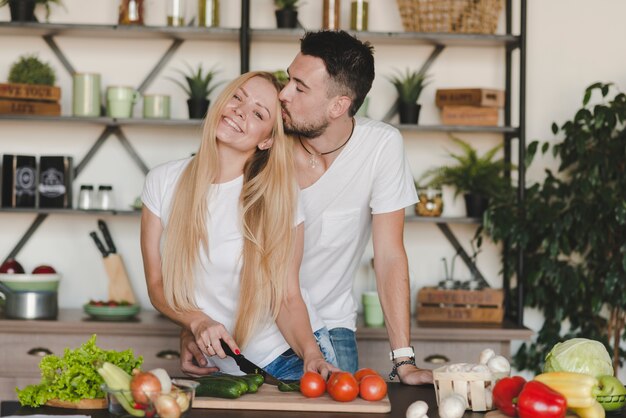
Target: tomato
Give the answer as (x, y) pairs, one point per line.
(361, 373)
(342, 387)
(372, 388)
(312, 385)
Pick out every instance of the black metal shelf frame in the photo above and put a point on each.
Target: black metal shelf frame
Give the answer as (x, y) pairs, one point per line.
(245, 35)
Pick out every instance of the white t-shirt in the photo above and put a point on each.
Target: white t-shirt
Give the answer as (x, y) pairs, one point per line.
(371, 175)
(217, 273)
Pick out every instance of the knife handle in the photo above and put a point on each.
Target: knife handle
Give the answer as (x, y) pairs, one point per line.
(107, 236)
(101, 248)
(227, 349)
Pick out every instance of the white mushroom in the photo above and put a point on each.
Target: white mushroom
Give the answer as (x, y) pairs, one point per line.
(486, 355)
(499, 364)
(417, 409)
(452, 406)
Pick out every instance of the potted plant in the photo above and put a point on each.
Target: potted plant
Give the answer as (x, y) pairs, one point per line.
(409, 87)
(198, 86)
(479, 178)
(286, 13)
(29, 69)
(24, 10)
(570, 230)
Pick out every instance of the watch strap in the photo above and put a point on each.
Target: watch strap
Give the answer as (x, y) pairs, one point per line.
(402, 352)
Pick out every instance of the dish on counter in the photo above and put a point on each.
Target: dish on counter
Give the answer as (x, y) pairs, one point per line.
(20, 282)
(111, 313)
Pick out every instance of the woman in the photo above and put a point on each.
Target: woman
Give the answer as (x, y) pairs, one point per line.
(220, 244)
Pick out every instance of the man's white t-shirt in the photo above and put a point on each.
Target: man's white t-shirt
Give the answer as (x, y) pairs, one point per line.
(217, 273)
(370, 176)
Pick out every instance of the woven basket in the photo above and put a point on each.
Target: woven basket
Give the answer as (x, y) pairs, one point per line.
(450, 16)
(474, 387)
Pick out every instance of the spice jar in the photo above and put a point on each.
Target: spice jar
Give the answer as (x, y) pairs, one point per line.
(85, 197)
(359, 14)
(106, 199)
(131, 12)
(331, 14)
(208, 13)
(176, 13)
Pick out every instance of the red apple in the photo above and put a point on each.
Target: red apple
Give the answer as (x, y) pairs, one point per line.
(11, 266)
(44, 269)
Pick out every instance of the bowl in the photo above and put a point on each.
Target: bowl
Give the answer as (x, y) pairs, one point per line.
(177, 403)
(31, 282)
(112, 313)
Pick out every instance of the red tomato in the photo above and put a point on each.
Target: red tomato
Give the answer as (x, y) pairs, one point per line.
(372, 388)
(342, 387)
(361, 373)
(312, 385)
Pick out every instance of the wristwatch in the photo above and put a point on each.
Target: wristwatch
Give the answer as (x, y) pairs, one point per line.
(402, 352)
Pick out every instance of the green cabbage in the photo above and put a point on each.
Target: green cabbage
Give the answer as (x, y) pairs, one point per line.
(579, 355)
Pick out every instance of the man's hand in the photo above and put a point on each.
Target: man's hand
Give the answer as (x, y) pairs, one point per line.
(411, 375)
(192, 360)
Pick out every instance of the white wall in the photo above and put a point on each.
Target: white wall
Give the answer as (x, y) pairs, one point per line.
(571, 43)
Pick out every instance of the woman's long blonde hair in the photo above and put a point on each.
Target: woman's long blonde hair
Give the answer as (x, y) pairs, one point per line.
(268, 201)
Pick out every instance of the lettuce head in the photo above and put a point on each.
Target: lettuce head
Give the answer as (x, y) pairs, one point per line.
(579, 355)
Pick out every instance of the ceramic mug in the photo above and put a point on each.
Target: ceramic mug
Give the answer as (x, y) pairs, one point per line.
(372, 310)
(120, 101)
(156, 106)
(86, 94)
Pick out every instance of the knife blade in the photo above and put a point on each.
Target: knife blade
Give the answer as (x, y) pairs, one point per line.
(107, 236)
(247, 366)
(99, 244)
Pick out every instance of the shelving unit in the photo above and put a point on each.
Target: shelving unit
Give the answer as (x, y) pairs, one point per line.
(245, 35)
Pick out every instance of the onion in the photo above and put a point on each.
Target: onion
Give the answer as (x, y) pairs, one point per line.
(164, 378)
(167, 407)
(142, 385)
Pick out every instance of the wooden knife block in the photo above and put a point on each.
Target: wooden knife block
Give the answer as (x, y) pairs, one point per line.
(119, 284)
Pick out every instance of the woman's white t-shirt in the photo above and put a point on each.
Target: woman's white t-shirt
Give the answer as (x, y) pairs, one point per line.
(217, 272)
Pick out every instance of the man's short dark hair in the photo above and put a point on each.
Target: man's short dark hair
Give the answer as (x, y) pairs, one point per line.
(348, 61)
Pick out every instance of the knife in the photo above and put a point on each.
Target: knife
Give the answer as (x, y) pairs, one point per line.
(107, 236)
(99, 244)
(247, 366)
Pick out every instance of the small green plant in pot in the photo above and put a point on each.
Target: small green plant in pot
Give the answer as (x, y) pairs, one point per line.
(198, 85)
(29, 69)
(24, 10)
(409, 87)
(479, 178)
(286, 13)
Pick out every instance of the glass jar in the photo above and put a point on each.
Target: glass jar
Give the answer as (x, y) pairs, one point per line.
(131, 12)
(86, 197)
(359, 14)
(176, 13)
(430, 202)
(208, 13)
(106, 199)
(331, 14)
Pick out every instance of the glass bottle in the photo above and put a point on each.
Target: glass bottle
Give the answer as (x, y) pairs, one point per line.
(359, 14)
(176, 13)
(106, 200)
(208, 13)
(331, 15)
(131, 12)
(86, 197)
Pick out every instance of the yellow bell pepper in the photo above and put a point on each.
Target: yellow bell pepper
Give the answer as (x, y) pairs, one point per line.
(577, 388)
(594, 411)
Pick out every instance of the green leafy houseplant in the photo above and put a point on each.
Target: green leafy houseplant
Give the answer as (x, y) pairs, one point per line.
(28, 69)
(570, 229)
(286, 4)
(198, 84)
(409, 85)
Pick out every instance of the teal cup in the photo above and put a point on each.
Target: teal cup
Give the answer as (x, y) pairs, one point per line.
(120, 101)
(156, 106)
(372, 310)
(86, 94)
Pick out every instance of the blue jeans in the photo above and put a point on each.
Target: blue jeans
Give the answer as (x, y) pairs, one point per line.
(344, 343)
(288, 366)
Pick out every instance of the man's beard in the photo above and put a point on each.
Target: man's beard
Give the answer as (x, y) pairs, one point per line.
(311, 130)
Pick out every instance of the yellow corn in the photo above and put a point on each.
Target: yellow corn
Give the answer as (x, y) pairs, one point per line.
(577, 388)
(593, 411)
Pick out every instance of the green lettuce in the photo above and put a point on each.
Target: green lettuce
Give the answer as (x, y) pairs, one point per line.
(579, 355)
(73, 376)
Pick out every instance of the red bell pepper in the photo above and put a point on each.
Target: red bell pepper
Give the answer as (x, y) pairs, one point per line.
(505, 394)
(537, 400)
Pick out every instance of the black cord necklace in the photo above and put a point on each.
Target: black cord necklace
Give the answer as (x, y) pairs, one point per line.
(313, 161)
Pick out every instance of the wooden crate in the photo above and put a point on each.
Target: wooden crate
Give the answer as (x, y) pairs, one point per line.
(439, 305)
(469, 97)
(469, 115)
(29, 107)
(36, 92)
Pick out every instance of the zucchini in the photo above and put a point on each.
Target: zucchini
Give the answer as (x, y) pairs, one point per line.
(289, 386)
(221, 387)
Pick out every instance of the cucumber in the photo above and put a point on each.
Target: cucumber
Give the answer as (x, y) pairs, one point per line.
(289, 387)
(221, 387)
(254, 381)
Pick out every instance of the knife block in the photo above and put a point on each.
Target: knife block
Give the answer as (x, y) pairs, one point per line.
(119, 284)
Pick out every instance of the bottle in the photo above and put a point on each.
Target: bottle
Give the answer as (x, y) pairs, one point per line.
(208, 13)
(331, 15)
(106, 200)
(176, 13)
(359, 14)
(85, 197)
(131, 12)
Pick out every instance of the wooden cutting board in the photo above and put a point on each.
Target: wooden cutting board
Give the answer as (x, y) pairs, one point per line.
(270, 398)
(498, 414)
(82, 404)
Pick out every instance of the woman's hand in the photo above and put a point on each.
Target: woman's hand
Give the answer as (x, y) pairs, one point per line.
(208, 335)
(316, 363)
(192, 360)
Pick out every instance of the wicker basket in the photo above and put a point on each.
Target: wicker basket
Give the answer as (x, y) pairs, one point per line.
(450, 16)
(475, 387)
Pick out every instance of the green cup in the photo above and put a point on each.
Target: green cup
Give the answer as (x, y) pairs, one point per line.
(86, 94)
(120, 101)
(156, 106)
(372, 311)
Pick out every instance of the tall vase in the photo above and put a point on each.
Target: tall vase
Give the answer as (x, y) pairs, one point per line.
(22, 10)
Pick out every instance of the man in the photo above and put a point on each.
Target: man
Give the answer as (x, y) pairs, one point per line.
(354, 179)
